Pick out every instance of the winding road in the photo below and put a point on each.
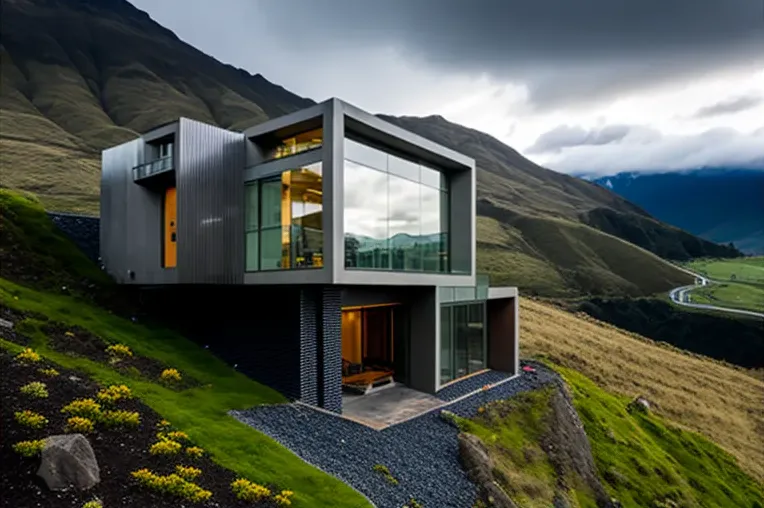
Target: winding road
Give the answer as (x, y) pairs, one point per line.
(679, 297)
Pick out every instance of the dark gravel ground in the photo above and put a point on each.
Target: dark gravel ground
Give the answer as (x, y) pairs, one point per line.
(422, 454)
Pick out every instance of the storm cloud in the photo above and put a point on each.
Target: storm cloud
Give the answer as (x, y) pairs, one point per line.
(731, 105)
(566, 136)
(599, 47)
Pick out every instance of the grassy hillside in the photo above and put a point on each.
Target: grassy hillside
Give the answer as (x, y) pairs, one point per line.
(703, 332)
(81, 75)
(60, 290)
(690, 390)
(641, 459)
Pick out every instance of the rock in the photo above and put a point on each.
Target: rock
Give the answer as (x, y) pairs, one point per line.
(4, 323)
(479, 467)
(68, 461)
(640, 404)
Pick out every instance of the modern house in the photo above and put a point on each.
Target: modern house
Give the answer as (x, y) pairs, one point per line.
(322, 249)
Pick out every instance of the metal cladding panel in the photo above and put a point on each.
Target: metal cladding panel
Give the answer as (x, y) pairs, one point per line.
(210, 204)
(144, 230)
(116, 165)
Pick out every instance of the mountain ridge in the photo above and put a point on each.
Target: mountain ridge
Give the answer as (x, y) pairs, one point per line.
(68, 93)
(724, 205)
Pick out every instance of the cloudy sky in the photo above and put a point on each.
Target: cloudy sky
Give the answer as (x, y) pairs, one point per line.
(595, 86)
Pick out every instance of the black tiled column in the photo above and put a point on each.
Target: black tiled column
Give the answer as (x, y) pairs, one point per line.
(308, 348)
(331, 344)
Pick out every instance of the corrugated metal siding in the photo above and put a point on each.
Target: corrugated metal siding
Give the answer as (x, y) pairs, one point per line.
(144, 230)
(116, 164)
(210, 204)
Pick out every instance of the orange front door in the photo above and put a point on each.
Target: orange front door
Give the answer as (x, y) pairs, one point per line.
(170, 228)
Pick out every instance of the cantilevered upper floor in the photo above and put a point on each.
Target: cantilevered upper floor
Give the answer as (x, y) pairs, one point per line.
(326, 195)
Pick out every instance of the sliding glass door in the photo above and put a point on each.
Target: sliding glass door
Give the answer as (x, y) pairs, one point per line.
(462, 340)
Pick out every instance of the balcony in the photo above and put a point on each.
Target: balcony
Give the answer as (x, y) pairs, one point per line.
(153, 168)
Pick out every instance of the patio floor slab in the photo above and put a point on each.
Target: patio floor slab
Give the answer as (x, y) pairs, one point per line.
(387, 406)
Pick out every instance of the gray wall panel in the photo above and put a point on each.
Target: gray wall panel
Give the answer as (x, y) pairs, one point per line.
(116, 167)
(424, 347)
(210, 204)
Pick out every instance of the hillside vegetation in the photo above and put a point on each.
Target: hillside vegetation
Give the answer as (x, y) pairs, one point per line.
(693, 391)
(40, 308)
(639, 458)
(82, 75)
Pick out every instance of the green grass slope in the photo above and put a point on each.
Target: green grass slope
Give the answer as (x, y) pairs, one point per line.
(641, 458)
(49, 258)
(646, 461)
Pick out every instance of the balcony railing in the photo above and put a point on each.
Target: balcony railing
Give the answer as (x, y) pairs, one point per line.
(479, 291)
(153, 168)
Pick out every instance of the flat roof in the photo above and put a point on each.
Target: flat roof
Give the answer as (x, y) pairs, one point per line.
(364, 125)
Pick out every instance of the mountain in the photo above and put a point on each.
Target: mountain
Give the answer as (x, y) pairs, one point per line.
(723, 205)
(82, 75)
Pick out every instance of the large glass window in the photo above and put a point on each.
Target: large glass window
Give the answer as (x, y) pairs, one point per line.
(462, 340)
(302, 142)
(396, 212)
(283, 219)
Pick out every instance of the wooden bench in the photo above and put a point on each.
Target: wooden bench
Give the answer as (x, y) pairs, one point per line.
(364, 382)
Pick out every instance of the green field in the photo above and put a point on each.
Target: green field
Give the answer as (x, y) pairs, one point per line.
(750, 269)
(737, 283)
(730, 294)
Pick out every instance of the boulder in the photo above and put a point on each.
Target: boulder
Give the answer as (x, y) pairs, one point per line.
(479, 466)
(68, 461)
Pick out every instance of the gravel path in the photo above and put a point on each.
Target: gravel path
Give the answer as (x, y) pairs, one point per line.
(422, 454)
(476, 382)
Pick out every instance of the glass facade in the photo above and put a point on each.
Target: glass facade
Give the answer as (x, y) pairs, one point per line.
(396, 212)
(462, 340)
(283, 220)
(302, 142)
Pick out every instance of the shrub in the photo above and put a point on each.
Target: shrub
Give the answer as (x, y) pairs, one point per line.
(246, 490)
(384, 471)
(120, 418)
(95, 503)
(31, 419)
(113, 393)
(29, 448)
(176, 435)
(194, 452)
(172, 484)
(188, 473)
(35, 389)
(79, 424)
(48, 372)
(165, 447)
(163, 424)
(86, 408)
(28, 355)
(118, 351)
(282, 498)
(413, 503)
(170, 376)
